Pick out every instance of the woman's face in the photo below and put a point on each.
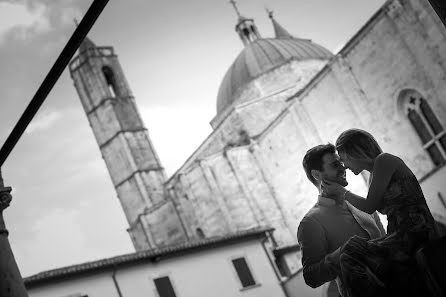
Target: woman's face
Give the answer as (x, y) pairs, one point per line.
(350, 163)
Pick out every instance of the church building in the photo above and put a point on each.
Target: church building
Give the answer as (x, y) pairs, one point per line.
(281, 96)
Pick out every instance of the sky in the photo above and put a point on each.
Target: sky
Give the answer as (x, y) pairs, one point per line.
(174, 54)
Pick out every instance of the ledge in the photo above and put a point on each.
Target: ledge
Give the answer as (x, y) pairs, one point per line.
(279, 251)
(250, 287)
(432, 172)
(293, 275)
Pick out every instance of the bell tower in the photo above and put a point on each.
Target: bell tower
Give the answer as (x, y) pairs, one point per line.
(132, 162)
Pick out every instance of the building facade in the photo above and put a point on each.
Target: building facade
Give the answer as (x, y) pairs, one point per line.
(233, 265)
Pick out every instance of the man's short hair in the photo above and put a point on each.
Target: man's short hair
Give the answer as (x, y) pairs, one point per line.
(313, 159)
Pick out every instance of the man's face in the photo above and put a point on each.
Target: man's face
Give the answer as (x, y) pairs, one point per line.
(333, 170)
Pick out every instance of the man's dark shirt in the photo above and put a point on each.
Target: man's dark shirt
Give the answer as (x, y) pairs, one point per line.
(323, 230)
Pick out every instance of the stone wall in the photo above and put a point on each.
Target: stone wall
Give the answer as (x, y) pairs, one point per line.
(394, 56)
(131, 159)
(435, 194)
(401, 47)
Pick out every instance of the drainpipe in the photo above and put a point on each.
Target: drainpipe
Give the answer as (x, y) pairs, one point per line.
(271, 262)
(115, 281)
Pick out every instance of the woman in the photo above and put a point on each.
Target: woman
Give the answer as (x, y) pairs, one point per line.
(384, 266)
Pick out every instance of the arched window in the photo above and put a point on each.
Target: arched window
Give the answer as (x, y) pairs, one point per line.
(427, 126)
(246, 33)
(110, 80)
(200, 233)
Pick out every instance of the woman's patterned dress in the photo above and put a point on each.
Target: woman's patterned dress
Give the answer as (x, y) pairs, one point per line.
(386, 266)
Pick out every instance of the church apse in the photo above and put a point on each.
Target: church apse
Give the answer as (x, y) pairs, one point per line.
(132, 162)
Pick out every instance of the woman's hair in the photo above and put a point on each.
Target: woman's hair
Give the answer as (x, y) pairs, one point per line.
(358, 144)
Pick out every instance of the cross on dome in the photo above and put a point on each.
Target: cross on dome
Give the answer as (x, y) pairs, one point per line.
(235, 7)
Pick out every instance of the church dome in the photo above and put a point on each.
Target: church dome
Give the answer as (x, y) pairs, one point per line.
(259, 57)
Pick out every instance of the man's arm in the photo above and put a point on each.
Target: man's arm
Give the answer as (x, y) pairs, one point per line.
(319, 266)
(379, 224)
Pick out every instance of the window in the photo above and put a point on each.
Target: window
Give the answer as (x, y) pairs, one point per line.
(243, 272)
(282, 266)
(246, 33)
(200, 233)
(253, 29)
(427, 126)
(164, 287)
(110, 80)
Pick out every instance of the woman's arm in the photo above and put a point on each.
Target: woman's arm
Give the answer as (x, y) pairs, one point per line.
(383, 169)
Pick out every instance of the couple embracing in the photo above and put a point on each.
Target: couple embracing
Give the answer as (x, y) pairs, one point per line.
(342, 238)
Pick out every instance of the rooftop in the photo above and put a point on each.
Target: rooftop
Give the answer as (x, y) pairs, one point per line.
(152, 255)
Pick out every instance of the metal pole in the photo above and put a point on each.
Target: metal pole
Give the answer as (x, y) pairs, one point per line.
(440, 8)
(53, 75)
(11, 282)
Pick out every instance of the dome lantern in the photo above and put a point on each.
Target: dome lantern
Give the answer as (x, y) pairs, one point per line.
(262, 55)
(246, 28)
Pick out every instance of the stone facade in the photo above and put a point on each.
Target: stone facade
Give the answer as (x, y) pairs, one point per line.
(132, 162)
(248, 172)
(258, 179)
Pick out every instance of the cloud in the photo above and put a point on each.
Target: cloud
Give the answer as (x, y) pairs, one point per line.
(68, 15)
(22, 21)
(48, 229)
(43, 122)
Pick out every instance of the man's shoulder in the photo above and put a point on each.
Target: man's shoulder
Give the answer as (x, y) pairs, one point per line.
(315, 212)
(312, 223)
(312, 215)
(318, 215)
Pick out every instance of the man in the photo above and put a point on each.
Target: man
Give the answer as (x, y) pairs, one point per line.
(331, 221)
